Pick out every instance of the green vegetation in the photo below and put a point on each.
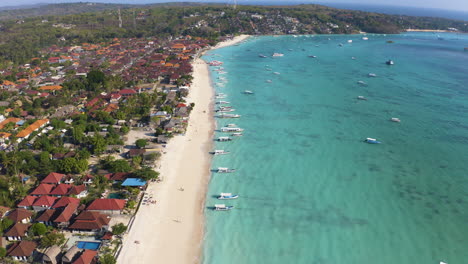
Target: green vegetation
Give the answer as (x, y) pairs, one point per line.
(21, 41)
(107, 259)
(39, 229)
(119, 229)
(52, 238)
(141, 143)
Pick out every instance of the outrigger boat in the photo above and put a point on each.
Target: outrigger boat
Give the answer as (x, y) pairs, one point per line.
(222, 115)
(231, 125)
(231, 129)
(225, 110)
(222, 102)
(237, 134)
(224, 170)
(223, 207)
(219, 152)
(372, 141)
(224, 139)
(227, 196)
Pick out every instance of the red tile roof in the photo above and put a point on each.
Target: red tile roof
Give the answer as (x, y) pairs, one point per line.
(53, 178)
(18, 230)
(90, 221)
(120, 176)
(61, 189)
(45, 201)
(107, 204)
(19, 214)
(42, 189)
(67, 213)
(76, 189)
(87, 257)
(22, 249)
(27, 201)
(47, 215)
(64, 201)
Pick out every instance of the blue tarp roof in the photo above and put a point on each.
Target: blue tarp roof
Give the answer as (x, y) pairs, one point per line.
(134, 182)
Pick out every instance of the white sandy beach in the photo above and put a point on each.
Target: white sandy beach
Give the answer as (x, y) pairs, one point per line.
(171, 231)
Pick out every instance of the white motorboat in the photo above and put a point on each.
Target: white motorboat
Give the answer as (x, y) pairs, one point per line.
(395, 119)
(231, 129)
(224, 170)
(222, 102)
(219, 152)
(372, 141)
(231, 125)
(262, 56)
(389, 62)
(269, 81)
(225, 110)
(276, 54)
(350, 41)
(248, 92)
(224, 139)
(227, 196)
(222, 207)
(362, 83)
(372, 75)
(360, 97)
(365, 38)
(277, 73)
(312, 56)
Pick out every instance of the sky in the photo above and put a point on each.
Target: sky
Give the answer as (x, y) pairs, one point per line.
(458, 5)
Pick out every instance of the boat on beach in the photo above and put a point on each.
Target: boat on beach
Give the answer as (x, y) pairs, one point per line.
(223, 115)
(224, 139)
(224, 170)
(219, 152)
(227, 196)
(231, 129)
(372, 141)
(223, 207)
(248, 92)
(395, 119)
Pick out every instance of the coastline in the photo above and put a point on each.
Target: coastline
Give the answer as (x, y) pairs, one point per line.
(171, 231)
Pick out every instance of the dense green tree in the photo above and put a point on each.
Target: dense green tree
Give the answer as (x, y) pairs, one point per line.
(107, 259)
(52, 238)
(146, 174)
(118, 166)
(3, 252)
(5, 223)
(119, 229)
(141, 143)
(38, 229)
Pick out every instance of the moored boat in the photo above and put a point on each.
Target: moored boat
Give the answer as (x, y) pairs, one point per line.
(395, 119)
(224, 139)
(224, 170)
(227, 196)
(231, 125)
(248, 92)
(219, 152)
(276, 54)
(372, 141)
(238, 134)
(222, 207)
(222, 102)
(223, 115)
(372, 75)
(362, 83)
(262, 56)
(389, 62)
(365, 38)
(231, 129)
(312, 56)
(225, 110)
(360, 97)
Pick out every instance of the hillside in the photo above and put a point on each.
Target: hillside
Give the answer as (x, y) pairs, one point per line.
(22, 38)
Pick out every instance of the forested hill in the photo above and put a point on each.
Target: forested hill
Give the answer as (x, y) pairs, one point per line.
(21, 38)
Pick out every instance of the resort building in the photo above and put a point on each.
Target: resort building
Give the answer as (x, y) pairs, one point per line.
(22, 251)
(107, 206)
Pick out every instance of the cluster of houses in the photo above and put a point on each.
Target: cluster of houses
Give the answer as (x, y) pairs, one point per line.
(55, 202)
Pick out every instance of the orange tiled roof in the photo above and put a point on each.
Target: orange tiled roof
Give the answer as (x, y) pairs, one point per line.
(31, 128)
(4, 135)
(9, 120)
(51, 87)
(6, 82)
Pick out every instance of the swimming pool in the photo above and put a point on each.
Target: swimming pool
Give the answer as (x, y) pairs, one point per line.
(88, 245)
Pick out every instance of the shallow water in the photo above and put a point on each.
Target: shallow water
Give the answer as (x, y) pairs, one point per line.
(310, 190)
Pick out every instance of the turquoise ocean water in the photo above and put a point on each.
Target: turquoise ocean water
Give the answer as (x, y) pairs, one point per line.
(311, 191)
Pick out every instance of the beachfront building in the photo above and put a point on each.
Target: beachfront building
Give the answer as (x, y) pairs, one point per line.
(107, 206)
(88, 221)
(20, 216)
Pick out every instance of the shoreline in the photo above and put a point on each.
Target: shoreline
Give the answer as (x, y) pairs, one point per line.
(172, 230)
